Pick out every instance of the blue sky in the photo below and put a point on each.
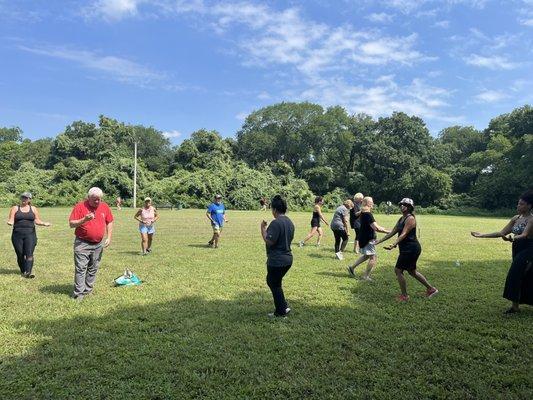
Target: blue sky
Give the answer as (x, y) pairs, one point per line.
(184, 65)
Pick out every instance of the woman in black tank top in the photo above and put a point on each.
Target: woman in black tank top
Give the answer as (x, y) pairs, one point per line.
(315, 222)
(410, 250)
(23, 218)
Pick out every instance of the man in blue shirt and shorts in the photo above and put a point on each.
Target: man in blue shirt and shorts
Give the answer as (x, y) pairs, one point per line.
(216, 212)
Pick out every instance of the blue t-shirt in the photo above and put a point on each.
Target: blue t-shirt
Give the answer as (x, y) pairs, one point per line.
(217, 213)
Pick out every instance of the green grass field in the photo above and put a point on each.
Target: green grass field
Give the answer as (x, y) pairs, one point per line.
(198, 326)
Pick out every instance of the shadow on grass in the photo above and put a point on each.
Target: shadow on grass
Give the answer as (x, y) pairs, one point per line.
(335, 274)
(131, 252)
(199, 246)
(65, 289)
(8, 271)
(330, 256)
(196, 348)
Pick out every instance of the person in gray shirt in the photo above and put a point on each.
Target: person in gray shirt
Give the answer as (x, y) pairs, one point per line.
(339, 226)
(278, 237)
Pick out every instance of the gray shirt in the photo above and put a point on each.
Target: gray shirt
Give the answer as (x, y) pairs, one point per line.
(280, 232)
(340, 214)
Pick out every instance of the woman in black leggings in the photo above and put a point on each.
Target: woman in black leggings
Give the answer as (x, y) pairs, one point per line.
(23, 218)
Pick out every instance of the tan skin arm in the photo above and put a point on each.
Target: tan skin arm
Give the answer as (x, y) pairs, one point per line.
(378, 228)
(388, 236)
(346, 225)
(507, 229)
(11, 216)
(74, 223)
(38, 220)
(137, 215)
(318, 209)
(109, 229)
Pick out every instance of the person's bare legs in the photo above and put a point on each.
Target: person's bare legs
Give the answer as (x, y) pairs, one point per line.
(401, 281)
(311, 234)
(320, 234)
(216, 238)
(360, 260)
(150, 237)
(144, 242)
(371, 264)
(420, 278)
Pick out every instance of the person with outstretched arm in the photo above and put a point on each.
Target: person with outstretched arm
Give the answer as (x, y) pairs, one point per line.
(519, 282)
(410, 250)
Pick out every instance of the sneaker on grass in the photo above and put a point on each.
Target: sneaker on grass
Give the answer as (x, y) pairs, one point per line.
(339, 255)
(301, 243)
(275, 314)
(431, 292)
(402, 298)
(350, 270)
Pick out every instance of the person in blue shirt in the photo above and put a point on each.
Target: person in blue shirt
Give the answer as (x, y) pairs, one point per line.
(216, 213)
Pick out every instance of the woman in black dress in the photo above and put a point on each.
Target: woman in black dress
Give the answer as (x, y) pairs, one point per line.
(315, 222)
(410, 250)
(519, 283)
(23, 218)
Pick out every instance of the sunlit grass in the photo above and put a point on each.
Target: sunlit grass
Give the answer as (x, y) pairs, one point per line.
(197, 327)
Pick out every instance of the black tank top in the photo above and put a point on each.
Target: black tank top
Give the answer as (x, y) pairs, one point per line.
(24, 221)
(316, 216)
(410, 241)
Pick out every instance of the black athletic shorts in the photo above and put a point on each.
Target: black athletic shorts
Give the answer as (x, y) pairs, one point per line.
(315, 223)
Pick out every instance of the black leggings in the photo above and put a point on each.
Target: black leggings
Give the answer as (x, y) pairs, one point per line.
(340, 235)
(274, 278)
(24, 244)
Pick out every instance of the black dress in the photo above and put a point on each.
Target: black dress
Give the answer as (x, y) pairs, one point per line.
(315, 220)
(519, 282)
(410, 248)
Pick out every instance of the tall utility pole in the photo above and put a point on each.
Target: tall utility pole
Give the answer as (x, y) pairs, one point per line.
(135, 176)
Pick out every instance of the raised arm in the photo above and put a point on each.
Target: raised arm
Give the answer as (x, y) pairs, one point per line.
(505, 231)
(74, 223)
(38, 220)
(264, 234)
(11, 216)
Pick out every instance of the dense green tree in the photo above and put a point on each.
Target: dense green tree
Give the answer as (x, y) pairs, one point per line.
(13, 134)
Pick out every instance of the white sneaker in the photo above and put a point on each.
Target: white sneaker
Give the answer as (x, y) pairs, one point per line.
(339, 255)
(301, 243)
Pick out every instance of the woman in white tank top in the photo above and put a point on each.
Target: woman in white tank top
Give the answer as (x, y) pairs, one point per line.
(147, 216)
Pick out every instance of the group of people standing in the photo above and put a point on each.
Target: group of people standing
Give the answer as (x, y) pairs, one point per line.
(92, 221)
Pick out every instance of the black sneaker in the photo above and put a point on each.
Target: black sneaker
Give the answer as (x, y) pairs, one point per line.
(511, 311)
(77, 297)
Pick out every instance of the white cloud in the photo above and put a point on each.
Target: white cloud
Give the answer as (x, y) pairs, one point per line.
(114, 67)
(113, 9)
(492, 62)
(264, 96)
(172, 134)
(442, 24)
(526, 21)
(380, 17)
(490, 96)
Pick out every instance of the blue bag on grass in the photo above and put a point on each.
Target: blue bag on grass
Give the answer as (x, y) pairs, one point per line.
(127, 279)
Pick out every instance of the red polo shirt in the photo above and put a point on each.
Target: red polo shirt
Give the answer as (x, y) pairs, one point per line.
(92, 231)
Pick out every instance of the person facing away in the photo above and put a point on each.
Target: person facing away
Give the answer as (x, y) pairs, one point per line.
(278, 237)
(23, 218)
(92, 220)
(216, 213)
(339, 226)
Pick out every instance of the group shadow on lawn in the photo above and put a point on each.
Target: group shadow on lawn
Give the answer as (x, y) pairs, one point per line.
(198, 348)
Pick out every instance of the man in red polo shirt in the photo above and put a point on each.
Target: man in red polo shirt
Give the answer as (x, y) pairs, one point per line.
(92, 219)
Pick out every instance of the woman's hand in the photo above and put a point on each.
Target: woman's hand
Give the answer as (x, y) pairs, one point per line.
(476, 234)
(47, 224)
(264, 224)
(389, 247)
(508, 238)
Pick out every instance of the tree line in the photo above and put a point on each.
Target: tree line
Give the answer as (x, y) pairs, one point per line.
(296, 149)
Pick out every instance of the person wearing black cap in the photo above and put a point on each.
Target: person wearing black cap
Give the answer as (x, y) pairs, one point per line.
(23, 218)
(410, 250)
(216, 213)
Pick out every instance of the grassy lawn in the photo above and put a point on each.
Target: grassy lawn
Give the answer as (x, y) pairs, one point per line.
(197, 327)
